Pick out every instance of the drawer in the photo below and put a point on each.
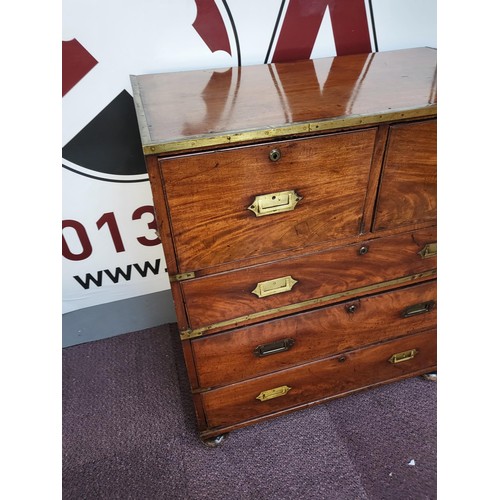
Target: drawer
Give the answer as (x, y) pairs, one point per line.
(320, 380)
(236, 296)
(275, 345)
(232, 204)
(407, 193)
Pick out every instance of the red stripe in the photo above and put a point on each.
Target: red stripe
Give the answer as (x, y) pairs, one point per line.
(350, 27)
(303, 20)
(76, 63)
(210, 26)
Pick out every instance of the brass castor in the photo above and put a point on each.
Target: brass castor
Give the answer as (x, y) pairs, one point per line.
(431, 376)
(215, 441)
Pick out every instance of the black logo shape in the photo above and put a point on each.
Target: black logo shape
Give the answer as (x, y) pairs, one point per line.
(109, 144)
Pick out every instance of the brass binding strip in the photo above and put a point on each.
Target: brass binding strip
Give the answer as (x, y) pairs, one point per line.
(189, 334)
(182, 277)
(234, 137)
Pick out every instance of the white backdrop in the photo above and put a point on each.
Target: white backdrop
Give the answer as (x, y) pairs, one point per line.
(110, 249)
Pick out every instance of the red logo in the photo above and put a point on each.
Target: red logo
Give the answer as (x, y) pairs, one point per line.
(295, 30)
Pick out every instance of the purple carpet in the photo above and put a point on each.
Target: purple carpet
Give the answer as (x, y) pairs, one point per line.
(129, 433)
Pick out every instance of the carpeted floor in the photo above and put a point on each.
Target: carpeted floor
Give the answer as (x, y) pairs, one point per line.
(129, 433)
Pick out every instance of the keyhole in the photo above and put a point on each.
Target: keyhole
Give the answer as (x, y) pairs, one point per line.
(275, 155)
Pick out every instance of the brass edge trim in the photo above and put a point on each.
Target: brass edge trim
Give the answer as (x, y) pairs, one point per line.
(139, 108)
(236, 137)
(198, 332)
(182, 277)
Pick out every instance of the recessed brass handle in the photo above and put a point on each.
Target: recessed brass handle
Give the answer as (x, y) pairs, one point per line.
(423, 307)
(273, 347)
(273, 393)
(403, 356)
(273, 203)
(272, 287)
(430, 250)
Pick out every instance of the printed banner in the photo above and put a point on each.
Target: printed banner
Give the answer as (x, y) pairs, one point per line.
(109, 245)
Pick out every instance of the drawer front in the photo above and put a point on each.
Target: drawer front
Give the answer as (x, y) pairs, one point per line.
(275, 345)
(311, 190)
(321, 379)
(407, 193)
(237, 294)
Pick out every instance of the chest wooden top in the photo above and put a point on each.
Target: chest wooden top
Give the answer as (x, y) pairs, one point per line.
(205, 108)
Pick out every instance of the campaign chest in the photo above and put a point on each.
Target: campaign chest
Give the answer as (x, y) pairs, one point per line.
(296, 205)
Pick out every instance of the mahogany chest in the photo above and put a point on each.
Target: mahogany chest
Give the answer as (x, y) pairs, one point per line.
(296, 205)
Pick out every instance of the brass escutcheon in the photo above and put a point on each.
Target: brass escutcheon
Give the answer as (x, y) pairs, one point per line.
(274, 154)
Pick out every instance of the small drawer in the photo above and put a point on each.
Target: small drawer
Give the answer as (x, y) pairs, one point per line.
(321, 380)
(407, 193)
(238, 203)
(242, 296)
(275, 345)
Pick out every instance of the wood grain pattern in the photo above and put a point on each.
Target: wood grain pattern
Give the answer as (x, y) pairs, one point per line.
(312, 381)
(357, 137)
(407, 191)
(229, 295)
(209, 196)
(208, 103)
(229, 357)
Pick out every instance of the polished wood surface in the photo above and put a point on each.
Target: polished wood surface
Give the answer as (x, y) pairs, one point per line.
(229, 295)
(320, 379)
(209, 196)
(407, 191)
(212, 103)
(229, 357)
(357, 142)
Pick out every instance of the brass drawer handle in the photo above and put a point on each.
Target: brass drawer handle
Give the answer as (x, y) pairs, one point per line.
(273, 203)
(430, 250)
(423, 307)
(272, 287)
(273, 393)
(403, 356)
(273, 347)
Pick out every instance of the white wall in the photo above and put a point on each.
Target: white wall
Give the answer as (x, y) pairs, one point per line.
(109, 229)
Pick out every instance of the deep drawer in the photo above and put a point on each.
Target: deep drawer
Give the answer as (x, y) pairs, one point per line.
(234, 294)
(212, 197)
(407, 193)
(274, 345)
(321, 379)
